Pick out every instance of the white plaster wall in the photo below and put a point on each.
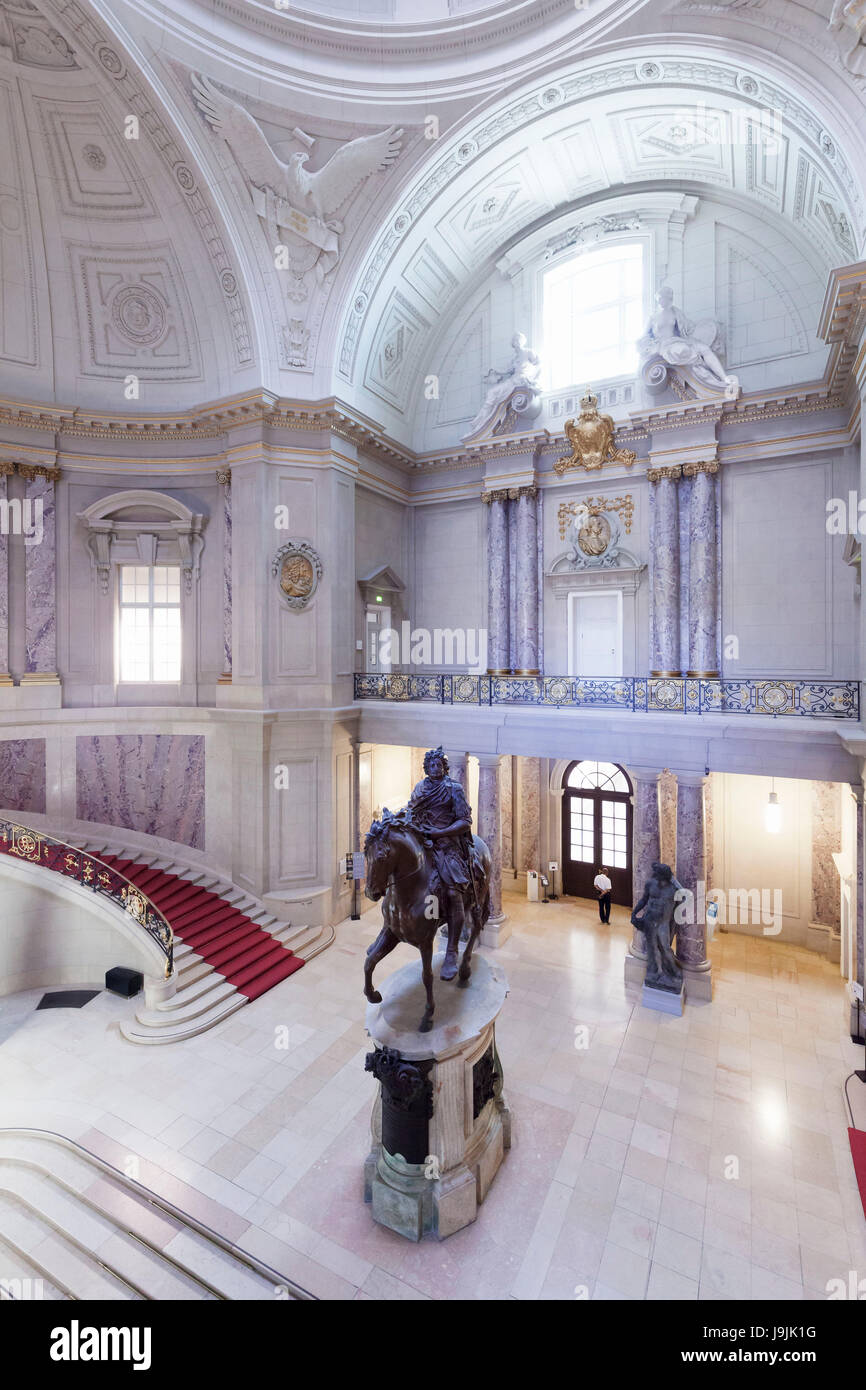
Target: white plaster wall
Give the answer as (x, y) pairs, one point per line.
(450, 570)
(748, 856)
(788, 597)
(382, 537)
(391, 779)
(50, 938)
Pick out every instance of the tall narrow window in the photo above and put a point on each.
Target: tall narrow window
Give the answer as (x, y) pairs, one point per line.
(593, 308)
(149, 623)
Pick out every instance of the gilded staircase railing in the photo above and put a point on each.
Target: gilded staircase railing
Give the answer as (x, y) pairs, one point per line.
(35, 847)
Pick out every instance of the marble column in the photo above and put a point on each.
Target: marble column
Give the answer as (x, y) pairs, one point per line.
(40, 577)
(529, 812)
(690, 871)
(525, 500)
(703, 571)
(496, 930)
(668, 817)
(825, 921)
(506, 814)
(224, 478)
(665, 545)
(5, 679)
(645, 842)
(498, 602)
(457, 767)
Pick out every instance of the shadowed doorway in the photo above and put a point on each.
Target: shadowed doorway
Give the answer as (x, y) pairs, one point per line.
(596, 829)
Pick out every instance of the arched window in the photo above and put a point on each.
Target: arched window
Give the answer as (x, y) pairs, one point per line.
(599, 775)
(596, 828)
(592, 314)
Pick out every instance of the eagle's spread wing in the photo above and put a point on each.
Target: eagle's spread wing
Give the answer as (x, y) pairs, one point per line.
(330, 187)
(242, 133)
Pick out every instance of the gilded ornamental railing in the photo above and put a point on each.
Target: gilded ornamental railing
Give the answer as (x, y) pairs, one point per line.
(814, 699)
(35, 847)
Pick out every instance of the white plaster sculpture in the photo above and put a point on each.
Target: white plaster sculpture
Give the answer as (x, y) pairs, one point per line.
(850, 16)
(517, 387)
(286, 196)
(681, 343)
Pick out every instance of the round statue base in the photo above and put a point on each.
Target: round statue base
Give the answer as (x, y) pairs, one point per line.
(440, 1123)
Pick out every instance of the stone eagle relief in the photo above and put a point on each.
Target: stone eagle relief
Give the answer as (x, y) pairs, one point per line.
(296, 206)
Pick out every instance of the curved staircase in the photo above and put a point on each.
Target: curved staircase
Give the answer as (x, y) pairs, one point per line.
(228, 949)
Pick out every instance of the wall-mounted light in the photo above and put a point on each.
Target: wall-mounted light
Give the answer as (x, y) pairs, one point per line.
(773, 812)
(378, 598)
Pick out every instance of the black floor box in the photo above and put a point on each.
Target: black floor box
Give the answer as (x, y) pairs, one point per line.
(122, 981)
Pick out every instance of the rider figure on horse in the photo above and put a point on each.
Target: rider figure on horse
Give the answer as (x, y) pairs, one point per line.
(438, 807)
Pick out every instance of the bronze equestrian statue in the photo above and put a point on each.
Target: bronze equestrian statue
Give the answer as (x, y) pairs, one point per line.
(430, 869)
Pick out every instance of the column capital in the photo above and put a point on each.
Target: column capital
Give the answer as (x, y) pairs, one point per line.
(645, 774)
(672, 472)
(497, 495)
(688, 778)
(704, 466)
(39, 470)
(224, 475)
(489, 760)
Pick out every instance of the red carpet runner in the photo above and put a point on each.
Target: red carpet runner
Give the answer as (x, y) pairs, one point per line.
(857, 1140)
(225, 938)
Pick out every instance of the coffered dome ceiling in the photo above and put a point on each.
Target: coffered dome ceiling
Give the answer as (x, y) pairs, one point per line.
(153, 257)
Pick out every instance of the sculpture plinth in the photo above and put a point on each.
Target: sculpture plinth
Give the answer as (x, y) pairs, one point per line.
(440, 1123)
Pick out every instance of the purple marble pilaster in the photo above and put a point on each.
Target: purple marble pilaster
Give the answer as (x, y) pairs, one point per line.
(527, 581)
(860, 883)
(529, 778)
(690, 871)
(40, 572)
(645, 844)
(498, 596)
(665, 544)
(826, 840)
(489, 827)
(224, 478)
(703, 578)
(5, 678)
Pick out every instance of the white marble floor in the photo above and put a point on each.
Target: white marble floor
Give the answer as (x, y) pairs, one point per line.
(703, 1157)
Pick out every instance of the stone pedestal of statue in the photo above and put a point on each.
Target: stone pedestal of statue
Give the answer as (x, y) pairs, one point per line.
(440, 1123)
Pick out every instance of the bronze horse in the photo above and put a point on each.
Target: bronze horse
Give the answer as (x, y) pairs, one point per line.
(400, 868)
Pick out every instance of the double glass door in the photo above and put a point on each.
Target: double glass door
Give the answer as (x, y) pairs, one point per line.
(596, 830)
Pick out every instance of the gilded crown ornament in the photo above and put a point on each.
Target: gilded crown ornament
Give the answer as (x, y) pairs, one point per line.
(591, 437)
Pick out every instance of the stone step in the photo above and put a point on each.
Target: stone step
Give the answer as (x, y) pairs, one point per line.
(137, 1032)
(82, 1213)
(23, 1279)
(181, 1009)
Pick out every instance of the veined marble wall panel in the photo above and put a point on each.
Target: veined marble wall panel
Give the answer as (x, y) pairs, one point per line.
(780, 591)
(22, 775)
(153, 783)
(450, 567)
(747, 856)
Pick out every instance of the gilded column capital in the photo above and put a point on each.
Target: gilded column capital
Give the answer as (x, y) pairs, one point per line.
(6, 468)
(672, 472)
(39, 470)
(528, 490)
(690, 470)
(498, 495)
(224, 475)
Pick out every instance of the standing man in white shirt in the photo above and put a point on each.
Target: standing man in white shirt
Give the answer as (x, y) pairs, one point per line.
(603, 885)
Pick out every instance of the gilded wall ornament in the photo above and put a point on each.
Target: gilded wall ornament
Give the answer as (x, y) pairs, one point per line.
(298, 570)
(591, 437)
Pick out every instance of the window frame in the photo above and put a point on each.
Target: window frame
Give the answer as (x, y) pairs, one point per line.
(150, 607)
(645, 240)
